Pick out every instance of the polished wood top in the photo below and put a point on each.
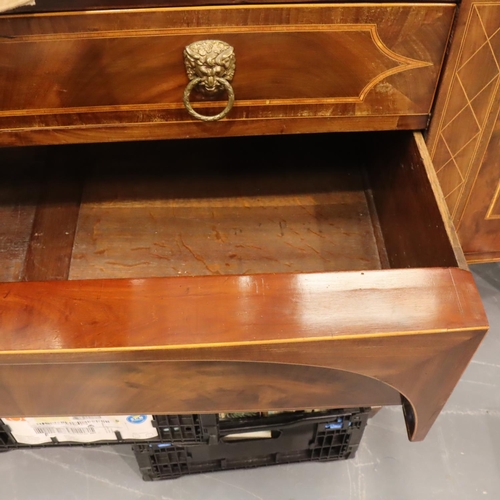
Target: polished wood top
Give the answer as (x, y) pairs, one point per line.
(166, 313)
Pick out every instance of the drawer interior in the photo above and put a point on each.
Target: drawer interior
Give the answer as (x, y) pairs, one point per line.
(233, 206)
(189, 225)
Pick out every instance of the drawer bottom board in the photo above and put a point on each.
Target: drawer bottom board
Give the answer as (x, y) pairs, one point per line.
(137, 211)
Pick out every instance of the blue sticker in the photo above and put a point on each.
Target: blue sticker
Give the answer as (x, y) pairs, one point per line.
(136, 419)
(334, 425)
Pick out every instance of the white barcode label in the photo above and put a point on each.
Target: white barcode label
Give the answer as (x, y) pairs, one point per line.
(65, 430)
(81, 429)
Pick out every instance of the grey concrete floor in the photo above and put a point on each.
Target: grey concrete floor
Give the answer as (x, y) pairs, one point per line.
(459, 460)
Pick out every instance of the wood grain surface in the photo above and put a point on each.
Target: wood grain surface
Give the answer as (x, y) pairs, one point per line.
(122, 130)
(169, 312)
(464, 133)
(50, 248)
(184, 387)
(17, 211)
(19, 193)
(164, 209)
(106, 69)
(414, 220)
(297, 211)
(479, 229)
(417, 333)
(424, 368)
(64, 5)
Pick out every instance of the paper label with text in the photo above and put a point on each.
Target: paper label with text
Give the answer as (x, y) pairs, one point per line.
(81, 429)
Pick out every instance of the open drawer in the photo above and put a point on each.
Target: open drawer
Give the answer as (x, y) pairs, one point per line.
(236, 274)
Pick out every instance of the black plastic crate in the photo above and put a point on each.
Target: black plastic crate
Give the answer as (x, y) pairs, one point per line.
(187, 428)
(289, 438)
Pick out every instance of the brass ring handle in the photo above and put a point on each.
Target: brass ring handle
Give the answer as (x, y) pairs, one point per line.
(205, 118)
(210, 66)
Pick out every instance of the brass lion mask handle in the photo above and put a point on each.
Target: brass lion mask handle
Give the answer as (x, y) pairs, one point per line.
(210, 66)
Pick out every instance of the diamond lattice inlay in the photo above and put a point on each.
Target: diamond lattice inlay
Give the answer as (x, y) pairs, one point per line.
(472, 91)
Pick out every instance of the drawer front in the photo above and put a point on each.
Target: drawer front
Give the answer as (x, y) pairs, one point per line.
(345, 67)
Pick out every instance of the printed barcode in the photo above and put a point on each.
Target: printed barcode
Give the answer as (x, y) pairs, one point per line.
(64, 430)
(60, 423)
(67, 424)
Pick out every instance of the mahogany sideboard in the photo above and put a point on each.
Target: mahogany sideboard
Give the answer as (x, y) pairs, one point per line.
(295, 253)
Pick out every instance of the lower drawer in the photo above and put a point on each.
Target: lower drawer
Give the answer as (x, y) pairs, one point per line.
(120, 75)
(238, 274)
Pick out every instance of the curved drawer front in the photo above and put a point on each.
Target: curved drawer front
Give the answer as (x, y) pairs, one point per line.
(345, 67)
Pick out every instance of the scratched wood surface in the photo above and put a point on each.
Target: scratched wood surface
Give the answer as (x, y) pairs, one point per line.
(143, 210)
(19, 196)
(295, 212)
(97, 72)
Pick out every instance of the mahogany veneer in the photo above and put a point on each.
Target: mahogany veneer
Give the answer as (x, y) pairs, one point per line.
(119, 75)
